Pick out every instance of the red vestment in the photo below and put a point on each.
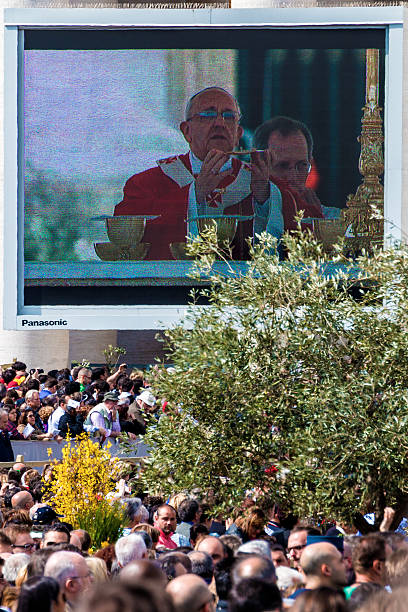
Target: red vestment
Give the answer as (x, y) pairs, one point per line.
(152, 192)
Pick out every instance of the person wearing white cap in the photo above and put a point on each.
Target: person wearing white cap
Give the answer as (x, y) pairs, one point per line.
(143, 406)
(124, 398)
(146, 401)
(126, 421)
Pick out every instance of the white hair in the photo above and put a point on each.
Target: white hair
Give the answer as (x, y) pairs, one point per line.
(130, 548)
(190, 102)
(287, 577)
(257, 547)
(135, 509)
(84, 371)
(143, 514)
(13, 565)
(30, 394)
(61, 565)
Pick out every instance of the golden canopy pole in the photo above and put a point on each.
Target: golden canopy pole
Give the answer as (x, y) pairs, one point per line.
(365, 225)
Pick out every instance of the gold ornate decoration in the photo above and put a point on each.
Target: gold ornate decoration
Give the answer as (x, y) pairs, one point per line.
(365, 227)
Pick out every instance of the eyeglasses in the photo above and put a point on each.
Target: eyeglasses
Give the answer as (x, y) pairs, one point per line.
(25, 546)
(207, 116)
(302, 167)
(298, 548)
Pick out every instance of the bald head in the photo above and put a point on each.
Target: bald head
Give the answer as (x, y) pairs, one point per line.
(190, 593)
(75, 540)
(71, 572)
(213, 547)
(22, 501)
(254, 566)
(323, 565)
(140, 571)
(84, 537)
(316, 554)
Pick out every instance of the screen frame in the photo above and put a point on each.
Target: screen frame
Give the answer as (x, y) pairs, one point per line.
(20, 317)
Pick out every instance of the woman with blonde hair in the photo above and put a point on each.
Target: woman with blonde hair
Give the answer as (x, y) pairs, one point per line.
(149, 529)
(98, 569)
(175, 500)
(249, 524)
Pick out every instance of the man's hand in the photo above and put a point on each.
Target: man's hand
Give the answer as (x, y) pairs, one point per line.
(310, 197)
(210, 176)
(228, 523)
(389, 514)
(4, 488)
(261, 169)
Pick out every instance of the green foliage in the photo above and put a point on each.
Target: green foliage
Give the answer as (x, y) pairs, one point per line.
(52, 219)
(84, 363)
(59, 212)
(291, 368)
(112, 354)
(104, 523)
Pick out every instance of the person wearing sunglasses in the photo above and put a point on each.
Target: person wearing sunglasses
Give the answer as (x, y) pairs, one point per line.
(21, 540)
(208, 180)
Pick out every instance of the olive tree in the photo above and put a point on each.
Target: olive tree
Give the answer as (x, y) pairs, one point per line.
(293, 380)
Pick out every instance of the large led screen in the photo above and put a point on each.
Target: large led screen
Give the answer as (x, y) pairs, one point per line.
(120, 165)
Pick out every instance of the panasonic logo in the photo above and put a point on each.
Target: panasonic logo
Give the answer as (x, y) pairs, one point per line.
(39, 323)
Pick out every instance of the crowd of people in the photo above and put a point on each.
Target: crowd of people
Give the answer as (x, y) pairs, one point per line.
(65, 403)
(174, 554)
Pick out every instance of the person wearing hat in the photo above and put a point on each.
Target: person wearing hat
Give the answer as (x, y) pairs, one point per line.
(104, 417)
(126, 418)
(71, 424)
(144, 405)
(44, 515)
(146, 401)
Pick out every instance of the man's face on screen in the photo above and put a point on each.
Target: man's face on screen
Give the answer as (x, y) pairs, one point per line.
(292, 156)
(203, 133)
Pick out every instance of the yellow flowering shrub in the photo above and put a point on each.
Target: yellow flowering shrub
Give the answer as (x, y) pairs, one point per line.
(78, 488)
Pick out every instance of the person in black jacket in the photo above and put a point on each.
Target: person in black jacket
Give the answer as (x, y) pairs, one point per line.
(6, 450)
(71, 421)
(127, 424)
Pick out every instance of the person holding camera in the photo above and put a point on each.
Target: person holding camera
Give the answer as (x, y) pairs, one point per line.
(71, 423)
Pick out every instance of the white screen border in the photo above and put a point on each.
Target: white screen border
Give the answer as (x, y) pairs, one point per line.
(18, 316)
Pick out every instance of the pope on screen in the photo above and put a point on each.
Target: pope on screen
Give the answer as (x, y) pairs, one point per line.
(208, 181)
